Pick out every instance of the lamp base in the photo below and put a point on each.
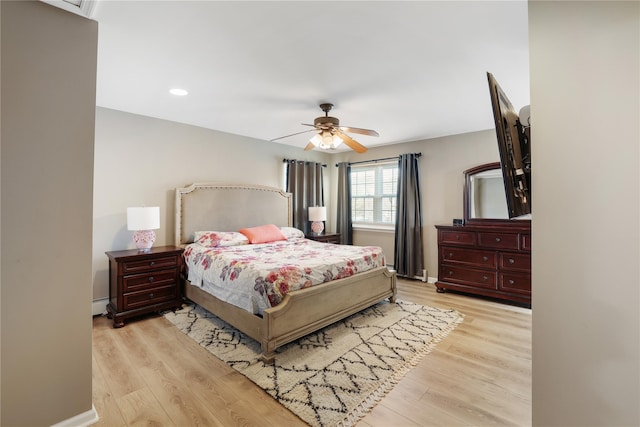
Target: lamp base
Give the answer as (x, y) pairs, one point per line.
(317, 227)
(144, 239)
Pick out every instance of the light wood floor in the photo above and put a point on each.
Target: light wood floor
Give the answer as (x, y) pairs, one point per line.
(149, 373)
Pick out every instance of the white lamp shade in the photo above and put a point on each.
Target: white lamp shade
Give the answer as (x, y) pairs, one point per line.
(317, 213)
(143, 218)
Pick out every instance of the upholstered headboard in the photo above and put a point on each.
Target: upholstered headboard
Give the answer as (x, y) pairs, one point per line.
(228, 207)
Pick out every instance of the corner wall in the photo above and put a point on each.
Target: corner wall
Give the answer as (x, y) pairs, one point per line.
(48, 116)
(585, 109)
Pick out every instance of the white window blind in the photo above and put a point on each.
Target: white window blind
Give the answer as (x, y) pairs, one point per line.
(373, 193)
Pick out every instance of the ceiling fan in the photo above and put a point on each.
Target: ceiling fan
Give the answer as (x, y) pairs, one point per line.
(330, 134)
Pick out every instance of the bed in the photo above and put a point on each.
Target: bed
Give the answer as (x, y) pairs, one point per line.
(230, 207)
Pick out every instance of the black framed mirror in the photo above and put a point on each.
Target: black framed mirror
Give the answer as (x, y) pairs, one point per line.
(484, 195)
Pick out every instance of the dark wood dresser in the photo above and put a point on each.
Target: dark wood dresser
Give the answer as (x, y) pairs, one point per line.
(493, 260)
(143, 282)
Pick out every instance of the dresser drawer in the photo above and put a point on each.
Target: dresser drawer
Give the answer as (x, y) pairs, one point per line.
(149, 297)
(509, 261)
(498, 240)
(515, 282)
(468, 256)
(155, 263)
(467, 238)
(152, 279)
(468, 276)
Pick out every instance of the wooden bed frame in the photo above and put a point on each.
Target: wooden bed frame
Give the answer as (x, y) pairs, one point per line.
(229, 207)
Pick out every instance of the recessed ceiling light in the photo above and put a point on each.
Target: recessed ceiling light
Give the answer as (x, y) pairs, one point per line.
(178, 92)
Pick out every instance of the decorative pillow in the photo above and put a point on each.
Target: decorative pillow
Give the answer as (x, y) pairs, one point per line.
(263, 234)
(292, 233)
(212, 239)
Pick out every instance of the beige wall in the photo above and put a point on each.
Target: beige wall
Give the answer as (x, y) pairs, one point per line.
(139, 160)
(585, 113)
(442, 165)
(48, 102)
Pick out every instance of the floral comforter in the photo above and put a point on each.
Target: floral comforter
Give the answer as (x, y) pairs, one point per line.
(258, 276)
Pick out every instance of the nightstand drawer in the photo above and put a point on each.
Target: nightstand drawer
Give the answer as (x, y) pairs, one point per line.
(325, 238)
(154, 263)
(149, 297)
(153, 279)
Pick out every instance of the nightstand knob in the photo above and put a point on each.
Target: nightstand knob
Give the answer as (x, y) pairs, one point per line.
(151, 279)
(498, 239)
(511, 261)
(152, 263)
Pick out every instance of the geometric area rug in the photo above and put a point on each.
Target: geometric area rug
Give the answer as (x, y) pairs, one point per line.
(334, 376)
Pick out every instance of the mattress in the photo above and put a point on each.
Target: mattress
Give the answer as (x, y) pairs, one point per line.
(258, 276)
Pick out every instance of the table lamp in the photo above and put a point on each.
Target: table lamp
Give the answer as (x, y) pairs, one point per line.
(143, 220)
(317, 214)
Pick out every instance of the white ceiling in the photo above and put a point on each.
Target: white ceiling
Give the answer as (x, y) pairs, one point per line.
(410, 70)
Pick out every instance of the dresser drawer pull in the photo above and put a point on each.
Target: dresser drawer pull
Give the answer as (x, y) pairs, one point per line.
(511, 261)
(511, 281)
(151, 279)
(484, 258)
(450, 254)
(150, 296)
(485, 277)
(450, 273)
(498, 239)
(152, 263)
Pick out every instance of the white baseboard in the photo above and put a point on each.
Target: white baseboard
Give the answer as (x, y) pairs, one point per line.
(423, 277)
(80, 420)
(99, 306)
(432, 280)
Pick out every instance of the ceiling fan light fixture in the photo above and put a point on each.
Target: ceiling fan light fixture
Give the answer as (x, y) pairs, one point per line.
(336, 141)
(326, 140)
(316, 140)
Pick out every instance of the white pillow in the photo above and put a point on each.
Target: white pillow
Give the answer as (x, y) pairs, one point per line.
(292, 233)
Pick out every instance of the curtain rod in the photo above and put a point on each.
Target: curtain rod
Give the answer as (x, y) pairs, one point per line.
(301, 161)
(379, 160)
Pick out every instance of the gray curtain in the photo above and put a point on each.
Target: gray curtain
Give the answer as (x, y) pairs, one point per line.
(344, 226)
(408, 258)
(304, 182)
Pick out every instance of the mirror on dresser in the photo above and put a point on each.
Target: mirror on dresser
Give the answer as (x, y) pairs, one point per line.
(484, 194)
(490, 254)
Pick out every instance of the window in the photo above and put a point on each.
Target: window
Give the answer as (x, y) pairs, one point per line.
(373, 193)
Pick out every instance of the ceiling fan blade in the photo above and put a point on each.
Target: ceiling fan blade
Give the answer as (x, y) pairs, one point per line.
(309, 146)
(360, 131)
(287, 136)
(350, 142)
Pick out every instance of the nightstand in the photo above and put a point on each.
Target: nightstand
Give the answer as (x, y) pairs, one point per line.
(326, 238)
(143, 282)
